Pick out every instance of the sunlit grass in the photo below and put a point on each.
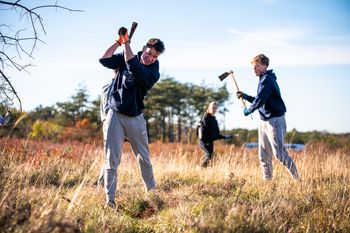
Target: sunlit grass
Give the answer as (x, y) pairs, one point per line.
(49, 187)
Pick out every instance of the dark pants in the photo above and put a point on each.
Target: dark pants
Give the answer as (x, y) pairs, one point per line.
(208, 149)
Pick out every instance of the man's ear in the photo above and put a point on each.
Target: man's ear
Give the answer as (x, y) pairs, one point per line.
(144, 48)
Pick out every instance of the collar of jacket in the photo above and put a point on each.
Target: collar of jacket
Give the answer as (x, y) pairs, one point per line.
(266, 72)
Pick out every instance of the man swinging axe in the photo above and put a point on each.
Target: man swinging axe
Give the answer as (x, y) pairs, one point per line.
(272, 128)
(137, 74)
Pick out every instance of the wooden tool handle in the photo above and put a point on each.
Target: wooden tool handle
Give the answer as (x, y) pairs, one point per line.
(237, 88)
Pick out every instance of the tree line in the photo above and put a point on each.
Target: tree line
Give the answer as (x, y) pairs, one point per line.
(172, 110)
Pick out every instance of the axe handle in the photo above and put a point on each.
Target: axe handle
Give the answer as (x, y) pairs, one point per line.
(132, 30)
(237, 88)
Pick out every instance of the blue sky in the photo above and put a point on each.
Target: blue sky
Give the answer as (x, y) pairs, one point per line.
(308, 43)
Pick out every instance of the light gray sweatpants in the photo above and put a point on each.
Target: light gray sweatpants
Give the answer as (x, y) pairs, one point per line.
(117, 126)
(271, 142)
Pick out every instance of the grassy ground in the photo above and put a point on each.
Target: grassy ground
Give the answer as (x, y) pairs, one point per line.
(46, 187)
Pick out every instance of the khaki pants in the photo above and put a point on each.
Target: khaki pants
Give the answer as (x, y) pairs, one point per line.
(134, 128)
(271, 142)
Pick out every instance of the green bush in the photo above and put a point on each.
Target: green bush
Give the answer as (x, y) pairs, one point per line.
(45, 130)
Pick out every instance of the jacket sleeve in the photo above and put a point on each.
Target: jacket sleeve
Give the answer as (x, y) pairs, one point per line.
(216, 130)
(265, 89)
(114, 62)
(146, 76)
(221, 136)
(249, 98)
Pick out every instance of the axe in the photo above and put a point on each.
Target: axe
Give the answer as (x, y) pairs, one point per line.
(132, 30)
(122, 31)
(230, 73)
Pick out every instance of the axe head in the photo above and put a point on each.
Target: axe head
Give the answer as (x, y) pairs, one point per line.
(224, 75)
(132, 30)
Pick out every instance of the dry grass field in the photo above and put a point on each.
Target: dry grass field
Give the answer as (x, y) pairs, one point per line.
(47, 187)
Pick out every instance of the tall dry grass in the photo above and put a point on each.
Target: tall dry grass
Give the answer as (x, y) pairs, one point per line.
(46, 187)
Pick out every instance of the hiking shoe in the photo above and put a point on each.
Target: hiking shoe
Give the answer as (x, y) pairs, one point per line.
(111, 204)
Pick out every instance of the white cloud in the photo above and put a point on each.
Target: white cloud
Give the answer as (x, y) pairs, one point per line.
(334, 38)
(276, 37)
(286, 46)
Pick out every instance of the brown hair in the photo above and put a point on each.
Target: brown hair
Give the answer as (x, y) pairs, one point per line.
(157, 44)
(262, 59)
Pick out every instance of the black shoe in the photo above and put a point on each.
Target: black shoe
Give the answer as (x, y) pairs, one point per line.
(111, 204)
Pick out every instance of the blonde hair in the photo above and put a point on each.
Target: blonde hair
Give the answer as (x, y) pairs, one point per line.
(210, 104)
(262, 59)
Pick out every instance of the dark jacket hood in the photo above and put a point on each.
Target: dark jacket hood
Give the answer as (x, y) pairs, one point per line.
(270, 73)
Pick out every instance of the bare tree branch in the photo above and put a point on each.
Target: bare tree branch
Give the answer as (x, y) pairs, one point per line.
(11, 91)
(17, 44)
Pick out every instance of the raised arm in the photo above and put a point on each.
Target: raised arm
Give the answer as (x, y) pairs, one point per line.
(110, 51)
(128, 54)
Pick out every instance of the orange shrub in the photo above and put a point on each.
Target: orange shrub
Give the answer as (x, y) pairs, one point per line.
(83, 124)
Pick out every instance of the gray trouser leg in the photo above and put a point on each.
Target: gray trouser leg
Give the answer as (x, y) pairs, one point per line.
(113, 150)
(135, 129)
(208, 148)
(100, 179)
(279, 151)
(265, 152)
(275, 131)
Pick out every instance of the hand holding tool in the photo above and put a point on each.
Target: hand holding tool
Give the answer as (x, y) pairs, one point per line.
(240, 95)
(246, 112)
(230, 73)
(123, 35)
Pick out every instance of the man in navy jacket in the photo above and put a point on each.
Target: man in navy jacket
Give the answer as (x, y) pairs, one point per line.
(136, 75)
(271, 107)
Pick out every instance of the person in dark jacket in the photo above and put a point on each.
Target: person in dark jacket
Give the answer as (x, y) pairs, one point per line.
(271, 107)
(5, 119)
(136, 75)
(209, 132)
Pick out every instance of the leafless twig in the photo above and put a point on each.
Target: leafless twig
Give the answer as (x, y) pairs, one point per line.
(14, 43)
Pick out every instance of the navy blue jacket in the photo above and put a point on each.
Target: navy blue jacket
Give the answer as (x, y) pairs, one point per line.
(133, 82)
(268, 99)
